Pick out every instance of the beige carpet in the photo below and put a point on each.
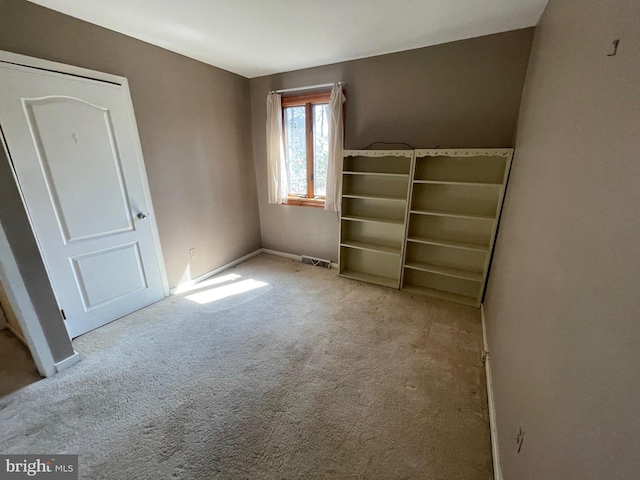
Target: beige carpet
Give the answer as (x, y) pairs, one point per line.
(304, 375)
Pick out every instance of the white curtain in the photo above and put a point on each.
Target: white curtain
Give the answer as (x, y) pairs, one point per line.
(336, 141)
(276, 171)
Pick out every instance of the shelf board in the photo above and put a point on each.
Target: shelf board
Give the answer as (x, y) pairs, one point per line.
(447, 271)
(432, 292)
(381, 174)
(449, 243)
(367, 277)
(362, 218)
(371, 247)
(374, 197)
(441, 213)
(446, 182)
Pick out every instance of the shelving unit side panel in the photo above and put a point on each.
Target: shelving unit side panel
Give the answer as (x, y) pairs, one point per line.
(494, 232)
(407, 217)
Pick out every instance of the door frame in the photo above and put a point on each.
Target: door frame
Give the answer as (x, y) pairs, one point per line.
(9, 272)
(23, 309)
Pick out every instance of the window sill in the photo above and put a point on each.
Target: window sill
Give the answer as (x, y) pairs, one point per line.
(305, 202)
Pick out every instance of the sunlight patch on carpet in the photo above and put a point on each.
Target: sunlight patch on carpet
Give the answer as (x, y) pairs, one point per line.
(207, 283)
(218, 293)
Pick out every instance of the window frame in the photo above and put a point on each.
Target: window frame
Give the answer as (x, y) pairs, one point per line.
(307, 100)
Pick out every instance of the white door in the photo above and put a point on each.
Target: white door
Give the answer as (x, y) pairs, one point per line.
(73, 145)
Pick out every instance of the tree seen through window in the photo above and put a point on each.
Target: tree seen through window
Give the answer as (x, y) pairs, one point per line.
(306, 144)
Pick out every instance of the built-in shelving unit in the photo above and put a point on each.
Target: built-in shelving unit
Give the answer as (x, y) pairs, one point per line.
(456, 199)
(375, 192)
(422, 220)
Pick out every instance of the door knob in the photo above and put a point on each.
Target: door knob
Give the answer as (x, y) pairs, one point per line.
(142, 216)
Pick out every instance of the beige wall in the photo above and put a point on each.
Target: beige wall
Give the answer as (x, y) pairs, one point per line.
(195, 130)
(563, 302)
(461, 94)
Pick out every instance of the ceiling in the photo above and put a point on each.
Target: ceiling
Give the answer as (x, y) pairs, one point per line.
(260, 37)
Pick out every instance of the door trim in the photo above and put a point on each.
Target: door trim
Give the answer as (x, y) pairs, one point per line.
(24, 310)
(25, 61)
(9, 272)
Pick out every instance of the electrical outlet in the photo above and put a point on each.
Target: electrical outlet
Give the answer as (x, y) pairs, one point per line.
(520, 437)
(192, 252)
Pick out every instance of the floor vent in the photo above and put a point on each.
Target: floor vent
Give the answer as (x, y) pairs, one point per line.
(318, 262)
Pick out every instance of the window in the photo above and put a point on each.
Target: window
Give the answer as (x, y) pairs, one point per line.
(305, 120)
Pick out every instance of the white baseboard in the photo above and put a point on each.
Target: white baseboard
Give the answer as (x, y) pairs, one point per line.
(190, 283)
(68, 362)
(282, 254)
(290, 255)
(497, 467)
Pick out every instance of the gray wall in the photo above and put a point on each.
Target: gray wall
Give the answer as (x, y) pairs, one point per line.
(563, 303)
(461, 94)
(195, 130)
